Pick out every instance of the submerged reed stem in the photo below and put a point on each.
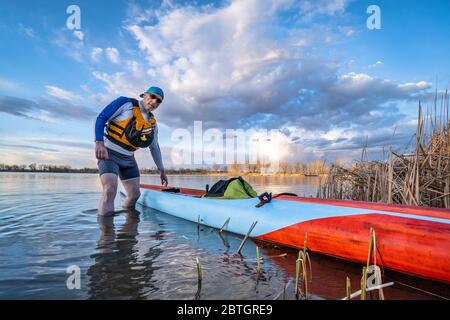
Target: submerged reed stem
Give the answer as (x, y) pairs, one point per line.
(199, 271)
(297, 275)
(348, 287)
(370, 248)
(363, 283)
(304, 243)
(258, 269)
(199, 278)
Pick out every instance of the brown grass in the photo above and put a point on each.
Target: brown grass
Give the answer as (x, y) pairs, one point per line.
(421, 177)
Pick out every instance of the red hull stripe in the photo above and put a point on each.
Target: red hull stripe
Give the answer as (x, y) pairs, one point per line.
(192, 192)
(414, 210)
(417, 247)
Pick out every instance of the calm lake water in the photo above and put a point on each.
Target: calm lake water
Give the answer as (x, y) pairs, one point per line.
(47, 223)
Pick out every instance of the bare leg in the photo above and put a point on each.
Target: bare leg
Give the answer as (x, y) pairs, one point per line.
(132, 189)
(109, 184)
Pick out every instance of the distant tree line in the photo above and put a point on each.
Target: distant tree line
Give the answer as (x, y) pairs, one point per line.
(33, 167)
(197, 171)
(316, 167)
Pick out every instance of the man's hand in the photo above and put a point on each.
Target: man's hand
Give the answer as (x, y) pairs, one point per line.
(100, 151)
(164, 180)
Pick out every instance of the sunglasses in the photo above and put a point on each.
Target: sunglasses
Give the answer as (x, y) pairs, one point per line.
(152, 96)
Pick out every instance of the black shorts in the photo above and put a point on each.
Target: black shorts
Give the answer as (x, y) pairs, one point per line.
(120, 164)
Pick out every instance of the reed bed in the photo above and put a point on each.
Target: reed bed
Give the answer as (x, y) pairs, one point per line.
(421, 177)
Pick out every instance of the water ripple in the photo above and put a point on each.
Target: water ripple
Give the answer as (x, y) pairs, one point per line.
(54, 225)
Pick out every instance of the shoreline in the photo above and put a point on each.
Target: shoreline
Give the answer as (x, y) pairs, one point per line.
(213, 174)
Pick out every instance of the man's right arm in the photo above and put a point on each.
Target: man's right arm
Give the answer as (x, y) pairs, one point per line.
(107, 113)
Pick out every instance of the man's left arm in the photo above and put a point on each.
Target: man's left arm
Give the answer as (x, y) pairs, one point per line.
(157, 157)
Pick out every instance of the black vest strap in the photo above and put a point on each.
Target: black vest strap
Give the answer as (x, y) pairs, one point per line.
(121, 144)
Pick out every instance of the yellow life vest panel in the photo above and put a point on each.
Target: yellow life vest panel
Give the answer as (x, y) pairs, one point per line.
(134, 132)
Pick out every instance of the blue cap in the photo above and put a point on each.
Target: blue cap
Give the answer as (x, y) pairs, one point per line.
(156, 91)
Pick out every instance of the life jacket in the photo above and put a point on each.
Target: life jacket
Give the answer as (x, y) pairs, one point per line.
(134, 132)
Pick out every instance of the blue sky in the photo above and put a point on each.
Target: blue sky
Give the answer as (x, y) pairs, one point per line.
(310, 69)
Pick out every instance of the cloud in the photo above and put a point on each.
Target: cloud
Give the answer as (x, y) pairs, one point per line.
(28, 31)
(22, 107)
(54, 108)
(240, 62)
(29, 154)
(29, 149)
(348, 33)
(113, 55)
(77, 153)
(240, 66)
(118, 84)
(137, 14)
(411, 86)
(96, 53)
(6, 84)
(61, 93)
(79, 35)
(75, 49)
(311, 9)
(85, 88)
(80, 144)
(376, 64)
(60, 142)
(23, 146)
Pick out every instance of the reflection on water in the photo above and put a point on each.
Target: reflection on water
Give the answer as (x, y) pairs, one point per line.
(47, 223)
(117, 271)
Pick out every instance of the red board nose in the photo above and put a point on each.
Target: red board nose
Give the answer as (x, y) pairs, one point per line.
(413, 246)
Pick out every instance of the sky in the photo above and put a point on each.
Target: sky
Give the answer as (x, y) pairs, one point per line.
(312, 71)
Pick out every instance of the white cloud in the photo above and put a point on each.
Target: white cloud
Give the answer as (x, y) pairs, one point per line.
(6, 84)
(112, 54)
(310, 9)
(45, 149)
(61, 93)
(354, 78)
(337, 133)
(85, 88)
(410, 86)
(74, 49)
(348, 33)
(117, 84)
(79, 35)
(363, 86)
(196, 52)
(27, 31)
(376, 64)
(96, 53)
(237, 66)
(46, 116)
(27, 154)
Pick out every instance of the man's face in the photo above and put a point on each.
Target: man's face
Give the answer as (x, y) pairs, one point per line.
(150, 102)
